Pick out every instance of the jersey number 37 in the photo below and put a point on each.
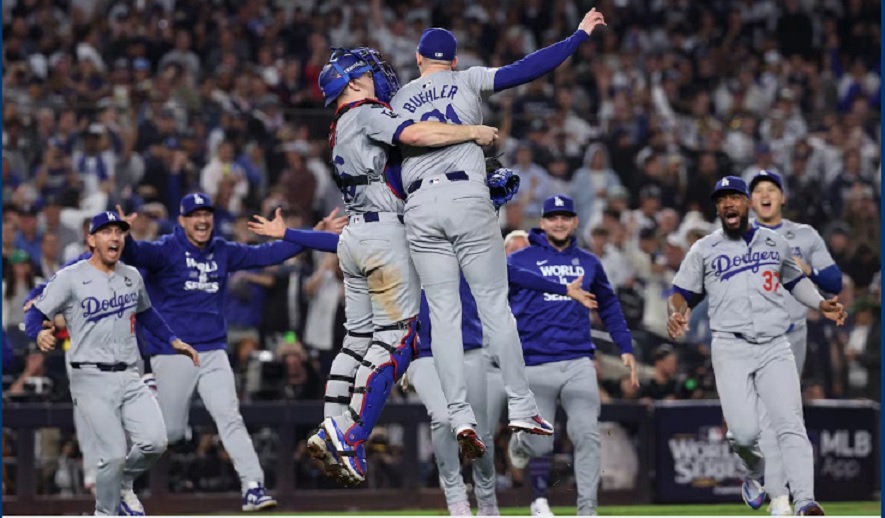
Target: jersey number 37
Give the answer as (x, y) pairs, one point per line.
(772, 280)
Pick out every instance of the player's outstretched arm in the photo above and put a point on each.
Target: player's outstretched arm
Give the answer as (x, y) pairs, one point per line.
(438, 134)
(276, 228)
(547, 59)
(805, 292)
(529, 280)
(140, 254)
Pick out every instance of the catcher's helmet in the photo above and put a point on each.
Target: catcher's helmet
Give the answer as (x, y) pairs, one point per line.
(384, 76)
(343, 66)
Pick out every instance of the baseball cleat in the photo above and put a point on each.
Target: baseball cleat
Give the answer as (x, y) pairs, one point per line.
(469, 442)
(518, 457)
(460, 509)
(353, 459)
(130, 505)
(257, 499)
(540, 507)
(536, 425)
(810, 509)
(488, 510)
(753, 493)
(318, 447)
(780, 506)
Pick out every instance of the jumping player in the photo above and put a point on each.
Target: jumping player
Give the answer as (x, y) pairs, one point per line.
(452, 226)
(743, 270)
(101, 300)
(810, 253)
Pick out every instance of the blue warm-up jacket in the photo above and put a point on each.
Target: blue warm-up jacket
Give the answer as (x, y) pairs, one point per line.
(554, 327)
(471, 326)
(187, 285)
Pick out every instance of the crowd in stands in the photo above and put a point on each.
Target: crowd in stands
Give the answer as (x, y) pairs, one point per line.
(137, 102)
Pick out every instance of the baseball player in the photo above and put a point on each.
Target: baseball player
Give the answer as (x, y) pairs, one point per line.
(381, 287)
(452, 227)
(810, 253)
(744, 270)
(101, 301)
(558, 350)
(186, 276)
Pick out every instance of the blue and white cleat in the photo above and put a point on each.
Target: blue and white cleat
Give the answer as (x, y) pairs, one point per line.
(780, 506)
(536, 425)
(753, 493)
(257, 499)
(810, 509)
(353, 459)
(130, 505)
(319, 447)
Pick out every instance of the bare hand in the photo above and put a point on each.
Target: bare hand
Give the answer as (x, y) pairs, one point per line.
(575, 292)
(630, 363)
(802, 265)
(591, 20)
(128, 219)
(677, 325)
(485, 135)
(404, 383)
(833, 310)
(275, 228)
(46, 339)
(185, 349)
(332, 223)
(27, 305)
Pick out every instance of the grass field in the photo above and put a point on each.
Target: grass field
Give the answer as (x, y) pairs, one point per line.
(832, 509)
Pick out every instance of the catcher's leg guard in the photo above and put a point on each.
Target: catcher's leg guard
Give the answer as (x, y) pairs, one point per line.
(389, 356)
(342, 375)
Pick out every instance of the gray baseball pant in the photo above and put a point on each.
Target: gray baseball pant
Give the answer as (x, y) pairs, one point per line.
(573, 383)
(775, 474)
(752, 376)
(177, 378)
(452, 227)
(113, 405)
(423, 376)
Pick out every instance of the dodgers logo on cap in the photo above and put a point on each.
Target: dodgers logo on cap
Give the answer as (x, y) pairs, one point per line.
(767, 176)
(194, 201)
(730, 184)
(103, 219)
(558, 204)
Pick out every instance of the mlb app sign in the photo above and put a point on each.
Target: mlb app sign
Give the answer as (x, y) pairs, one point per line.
(695, 463)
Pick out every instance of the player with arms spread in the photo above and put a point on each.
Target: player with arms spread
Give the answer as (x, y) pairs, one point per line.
(452, 226)
(810, 253)
(744, 270)
(101, 300)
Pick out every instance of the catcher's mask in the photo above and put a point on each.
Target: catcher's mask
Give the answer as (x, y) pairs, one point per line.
(348, 64)
(386, 81)
(343, 67)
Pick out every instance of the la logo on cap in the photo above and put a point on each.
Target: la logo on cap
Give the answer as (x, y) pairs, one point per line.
(725, 182)
(558, 201)
(111, 216)
(198, 199)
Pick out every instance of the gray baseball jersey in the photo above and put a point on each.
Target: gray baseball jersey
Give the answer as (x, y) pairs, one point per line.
(99, 309)
(744, 282)
(451, 97)
(807, 244)
(361, 140)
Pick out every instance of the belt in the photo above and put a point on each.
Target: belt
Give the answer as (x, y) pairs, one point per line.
(375, 217)
(104, 367)
(743, 337)
(454, 176)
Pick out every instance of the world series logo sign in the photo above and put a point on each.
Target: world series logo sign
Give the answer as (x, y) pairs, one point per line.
(694, 462)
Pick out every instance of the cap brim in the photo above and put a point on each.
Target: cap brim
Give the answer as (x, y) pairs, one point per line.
(555, 212)
(755, 181)
(210, 208)
(719, 192)
(120, 223)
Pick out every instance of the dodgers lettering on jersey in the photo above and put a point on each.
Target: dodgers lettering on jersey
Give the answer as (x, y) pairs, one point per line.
(554, 327)
(805, 243)
(745, 282)
(450, 97)
(363, 137)
(99, 309)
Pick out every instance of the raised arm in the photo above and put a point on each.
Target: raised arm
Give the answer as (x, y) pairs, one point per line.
(276, 228)
(532, 281)
(547, 59)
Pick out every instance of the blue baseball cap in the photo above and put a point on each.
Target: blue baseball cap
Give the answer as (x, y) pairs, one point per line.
(103, 219)
(730, 184)
(558, 204)
(195, 201)
(437, 43)
(343, 67)
(769, 176)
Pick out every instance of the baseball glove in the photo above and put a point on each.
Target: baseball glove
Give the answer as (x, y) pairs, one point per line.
(503, 183)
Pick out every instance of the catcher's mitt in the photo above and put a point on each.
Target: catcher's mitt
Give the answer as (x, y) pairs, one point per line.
(503, 183)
